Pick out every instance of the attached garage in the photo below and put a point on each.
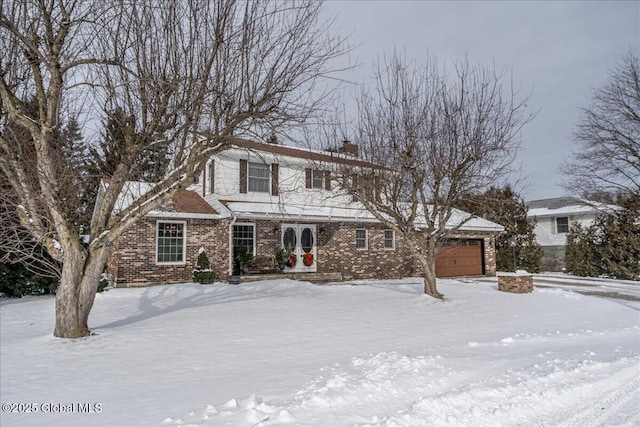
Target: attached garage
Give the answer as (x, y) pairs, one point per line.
(462, 257)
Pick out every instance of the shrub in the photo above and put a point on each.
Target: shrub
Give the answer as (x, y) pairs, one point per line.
(610, 247)
(203, 273)
(581, 256)
(103, 283)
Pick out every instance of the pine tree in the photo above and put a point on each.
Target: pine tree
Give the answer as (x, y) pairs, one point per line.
(25, 267)
(582, 257)
(609, 247)
(73, 159)
(619, 245)
(503, 206)
(151, 162)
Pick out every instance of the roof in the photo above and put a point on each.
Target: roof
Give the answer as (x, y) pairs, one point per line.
(302, 153)
(351, 213)
(563, 206)
(555, 203)
(185, 202)
(190, 202)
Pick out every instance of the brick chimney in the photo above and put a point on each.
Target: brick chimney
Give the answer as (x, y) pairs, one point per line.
(348, 148)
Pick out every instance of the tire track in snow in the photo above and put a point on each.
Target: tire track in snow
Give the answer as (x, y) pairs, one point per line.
(615, 405)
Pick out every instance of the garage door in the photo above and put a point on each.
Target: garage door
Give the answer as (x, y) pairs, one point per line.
(460, 258)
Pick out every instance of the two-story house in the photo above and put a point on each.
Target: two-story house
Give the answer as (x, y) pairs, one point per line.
(258, 196)
(554, 218)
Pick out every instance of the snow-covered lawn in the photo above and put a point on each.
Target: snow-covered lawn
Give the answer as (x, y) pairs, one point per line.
(291, 353)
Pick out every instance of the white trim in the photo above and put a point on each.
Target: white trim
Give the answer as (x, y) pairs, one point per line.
(393, 239)
(184, 243)
(183, 215)
(366, 239)
(268, 178)
(299, 250)
(238, 224)
(230, 254)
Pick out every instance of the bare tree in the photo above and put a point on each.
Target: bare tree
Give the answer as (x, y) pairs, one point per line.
(225, 68)
(607, 158)
(437, 138)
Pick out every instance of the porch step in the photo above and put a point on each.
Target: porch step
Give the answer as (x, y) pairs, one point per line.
(305, 277)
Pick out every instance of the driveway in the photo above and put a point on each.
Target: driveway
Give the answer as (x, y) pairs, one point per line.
(626, 290)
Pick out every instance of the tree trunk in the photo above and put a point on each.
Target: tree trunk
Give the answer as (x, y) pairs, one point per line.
(77, 291)
(429, 274)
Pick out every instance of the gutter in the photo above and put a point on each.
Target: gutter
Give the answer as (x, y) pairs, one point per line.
(233, 221)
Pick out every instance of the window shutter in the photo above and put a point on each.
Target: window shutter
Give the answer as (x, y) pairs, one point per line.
(377, 187)
(211, 177)
(307, 178)
(327, 180)
(274, 179)
(243, 176)
(204, 183)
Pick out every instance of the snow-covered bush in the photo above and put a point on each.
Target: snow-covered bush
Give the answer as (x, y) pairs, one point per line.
(104, 282)
(203, 273)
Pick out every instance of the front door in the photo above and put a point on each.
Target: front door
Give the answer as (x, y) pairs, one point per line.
(300, 239)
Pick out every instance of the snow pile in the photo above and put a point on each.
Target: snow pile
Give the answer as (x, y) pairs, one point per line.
(389, 389)
(290, 353)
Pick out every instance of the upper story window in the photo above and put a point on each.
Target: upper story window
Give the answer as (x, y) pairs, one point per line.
(170, 242)
(316, 178)
(562, 224)
(258, 177)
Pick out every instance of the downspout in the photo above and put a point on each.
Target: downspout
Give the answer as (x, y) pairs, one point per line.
(233, 221)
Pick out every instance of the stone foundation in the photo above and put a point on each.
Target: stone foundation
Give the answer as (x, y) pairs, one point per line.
(515, 283)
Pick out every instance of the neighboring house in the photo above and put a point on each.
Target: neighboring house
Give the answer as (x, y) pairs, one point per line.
(258, 196)
(554, 219)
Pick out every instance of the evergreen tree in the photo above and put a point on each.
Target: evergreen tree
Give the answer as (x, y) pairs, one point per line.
(25, 268)
(619, 245)
(73, 160)
(581, 255)
(150, 164)
(609, 247)
(503, 206)
(203, 273)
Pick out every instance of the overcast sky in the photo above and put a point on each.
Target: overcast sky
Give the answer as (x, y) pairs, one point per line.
(558, 51)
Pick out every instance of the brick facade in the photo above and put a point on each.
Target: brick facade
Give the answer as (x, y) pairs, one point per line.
(337, 252)
(132, 261)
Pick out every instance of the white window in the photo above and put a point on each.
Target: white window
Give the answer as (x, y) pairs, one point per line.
(170, 242)
(244, 236)
(317, 180)
(361, 239)
(389, 239)
(562, 224)
(258, 177)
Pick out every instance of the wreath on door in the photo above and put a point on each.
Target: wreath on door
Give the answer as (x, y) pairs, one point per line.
(293, 259)
(307, 259)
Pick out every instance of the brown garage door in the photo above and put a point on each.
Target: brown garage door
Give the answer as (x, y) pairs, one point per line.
(460, 258)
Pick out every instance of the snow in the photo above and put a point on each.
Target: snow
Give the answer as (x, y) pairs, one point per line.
(366, 353)
(353, 211)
